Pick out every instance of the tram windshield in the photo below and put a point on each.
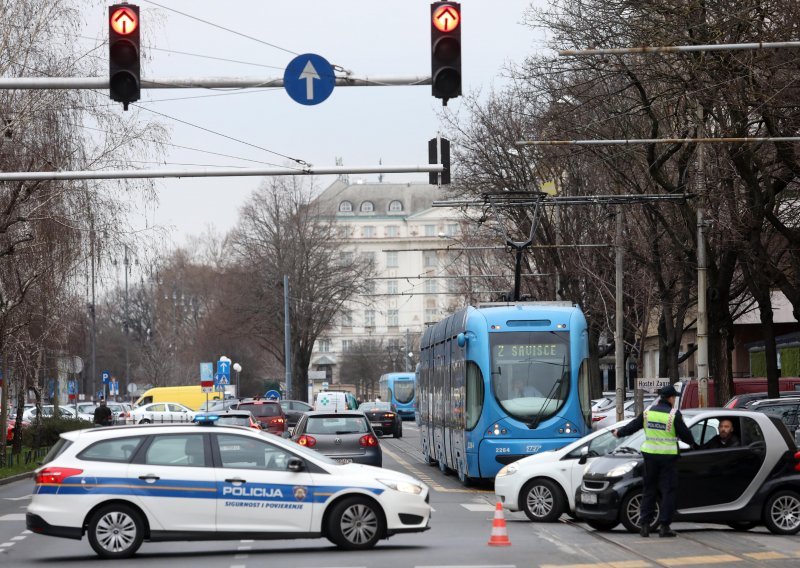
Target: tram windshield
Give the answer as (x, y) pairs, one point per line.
(403, 391)
(530, 373)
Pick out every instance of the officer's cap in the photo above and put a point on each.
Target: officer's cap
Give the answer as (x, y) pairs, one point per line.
(667, 391)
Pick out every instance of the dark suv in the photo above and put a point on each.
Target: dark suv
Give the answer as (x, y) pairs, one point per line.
(268, 413)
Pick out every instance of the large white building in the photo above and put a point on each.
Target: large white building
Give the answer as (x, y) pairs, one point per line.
(395, 227)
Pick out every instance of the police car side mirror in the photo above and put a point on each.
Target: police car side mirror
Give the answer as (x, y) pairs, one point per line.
(296, 465)
(584, 455)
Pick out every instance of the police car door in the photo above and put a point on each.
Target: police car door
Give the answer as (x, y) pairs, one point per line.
(256, 491)
(173, 478)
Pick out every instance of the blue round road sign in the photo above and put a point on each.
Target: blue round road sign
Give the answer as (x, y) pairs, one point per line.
(309, 79)
(273, 394)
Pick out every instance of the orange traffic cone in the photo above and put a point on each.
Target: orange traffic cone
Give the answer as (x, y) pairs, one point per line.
(499, 533)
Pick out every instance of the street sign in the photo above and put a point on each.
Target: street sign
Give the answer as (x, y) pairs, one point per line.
(113, 387)
(132, 388)
(273, 394)
(206, 371)
(309, 79)
(652, 385)
(106, 376)
(223, 376)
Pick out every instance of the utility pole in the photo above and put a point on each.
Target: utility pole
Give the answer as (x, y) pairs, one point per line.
(406, 351)
(93, 312)
(127, 326)
(702, 274)
(619, 345)
(287, 336)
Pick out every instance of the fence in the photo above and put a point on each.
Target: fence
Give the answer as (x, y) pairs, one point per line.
(26, 457)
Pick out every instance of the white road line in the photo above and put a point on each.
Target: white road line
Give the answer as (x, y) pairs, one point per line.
(27, 532)
(245, 548)
(21, 537)
(247, 541)
(17, 498)
(7, 544)
(13, 517)
(241, 556)
(238, 566)
(472, 566)
(478, 507)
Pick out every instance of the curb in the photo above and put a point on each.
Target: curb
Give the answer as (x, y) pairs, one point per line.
(13, 478)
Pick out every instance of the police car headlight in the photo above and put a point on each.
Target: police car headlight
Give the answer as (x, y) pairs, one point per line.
(509, 469)
(621, 470)
(402, 486)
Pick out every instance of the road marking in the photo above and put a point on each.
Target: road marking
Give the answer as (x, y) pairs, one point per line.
(247, 541)
(433, 484)
(18, 498)
(21, 537)
(475, 508)
(765, 555)
(695, 560)
(241, 556)
(613, 564)
(471, 566)
(13, 517)
(7, 544)
(245, 548)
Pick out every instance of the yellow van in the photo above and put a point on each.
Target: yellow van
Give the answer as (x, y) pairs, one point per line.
(191, 396)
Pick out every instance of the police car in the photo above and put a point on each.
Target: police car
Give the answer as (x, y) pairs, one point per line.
(123, 485)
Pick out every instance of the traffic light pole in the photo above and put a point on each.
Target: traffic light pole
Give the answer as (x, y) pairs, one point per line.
(74, 83)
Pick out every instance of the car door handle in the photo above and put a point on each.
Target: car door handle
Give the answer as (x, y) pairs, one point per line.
(149, 477)
(235, 480)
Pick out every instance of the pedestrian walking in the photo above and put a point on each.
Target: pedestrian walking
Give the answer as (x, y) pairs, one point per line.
(102, 414)
(663, 426)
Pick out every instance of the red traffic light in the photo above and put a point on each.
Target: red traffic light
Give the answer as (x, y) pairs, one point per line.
(124, 21)
(446, 18)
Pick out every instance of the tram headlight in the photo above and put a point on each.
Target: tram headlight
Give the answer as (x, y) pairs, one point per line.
(402, 486)
(497, 430)
(509, 469)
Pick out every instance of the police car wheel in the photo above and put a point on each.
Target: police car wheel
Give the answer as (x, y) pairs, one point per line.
(356, 524)
(542, 501)
(629, 514)
(782, 513)
(116, 531)
(144, 421)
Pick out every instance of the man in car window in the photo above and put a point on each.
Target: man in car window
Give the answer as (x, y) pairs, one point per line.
(725, 439)
(663, 425)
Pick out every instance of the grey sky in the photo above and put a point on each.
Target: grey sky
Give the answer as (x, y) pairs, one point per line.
(359, 124)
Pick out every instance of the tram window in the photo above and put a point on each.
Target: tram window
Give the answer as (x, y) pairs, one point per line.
(474, 405)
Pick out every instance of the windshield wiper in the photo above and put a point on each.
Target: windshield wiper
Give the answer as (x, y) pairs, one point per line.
(538, 418)
(625, 450)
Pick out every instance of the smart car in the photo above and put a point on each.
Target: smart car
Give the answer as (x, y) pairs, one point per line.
(122, 485)
(756, 482)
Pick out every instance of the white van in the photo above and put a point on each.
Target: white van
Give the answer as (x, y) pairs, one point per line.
(335, 400)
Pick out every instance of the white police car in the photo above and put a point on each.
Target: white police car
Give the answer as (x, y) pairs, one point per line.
(123, 485)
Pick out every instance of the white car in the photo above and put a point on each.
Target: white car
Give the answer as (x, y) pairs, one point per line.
(543, 485)
(609, 416)
(160, 412)
(121, 485)
(85, 410)
(48, 410)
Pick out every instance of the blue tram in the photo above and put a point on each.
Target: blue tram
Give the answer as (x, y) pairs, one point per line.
(499, 383)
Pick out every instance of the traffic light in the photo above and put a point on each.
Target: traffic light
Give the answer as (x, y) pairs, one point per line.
(123, 53)
(446, 50)
(439, 153)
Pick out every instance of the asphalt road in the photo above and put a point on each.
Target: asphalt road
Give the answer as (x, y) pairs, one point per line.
(461, 527)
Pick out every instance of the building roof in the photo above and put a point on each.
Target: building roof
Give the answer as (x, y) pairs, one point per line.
(415, 197)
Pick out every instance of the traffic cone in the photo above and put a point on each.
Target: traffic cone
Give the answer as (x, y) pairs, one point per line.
(499, 533)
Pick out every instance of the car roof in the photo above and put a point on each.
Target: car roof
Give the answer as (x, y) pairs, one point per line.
(332, 413)
(770, 401)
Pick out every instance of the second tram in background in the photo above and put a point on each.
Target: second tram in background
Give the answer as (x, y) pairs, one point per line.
(400, 390)
(500, 383)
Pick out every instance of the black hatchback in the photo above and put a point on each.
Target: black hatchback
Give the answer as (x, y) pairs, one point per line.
(755, 483)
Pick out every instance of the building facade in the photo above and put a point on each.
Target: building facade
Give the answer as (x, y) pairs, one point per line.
(394, 228)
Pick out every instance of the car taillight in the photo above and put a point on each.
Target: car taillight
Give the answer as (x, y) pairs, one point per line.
(597, 418)
(51, 475)
(368, 440)
(731, 404)
(797, 461)
(389, 415)
(307, 441)
(276, 421)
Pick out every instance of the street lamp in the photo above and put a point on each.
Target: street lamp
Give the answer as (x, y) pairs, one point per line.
(238, 368)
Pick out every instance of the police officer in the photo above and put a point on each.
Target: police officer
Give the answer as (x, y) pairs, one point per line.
(662, 425)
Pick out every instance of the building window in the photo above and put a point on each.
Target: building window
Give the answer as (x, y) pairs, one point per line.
(368, 256)
(452, 285)
(346, 258)
(395, 206)
(343, 232)
(369, 232)
(369, 318)
(392, 231)
(452, 229)
(369, 287)
(431, 286)
(430, 315)
(346, 207)
(429, 258)
(347, 345)
(392, 260)
(393, 343)
(391, 286)
(367, 207)
(324, 345)
(393, 318)
(430, 230)
(347, 319)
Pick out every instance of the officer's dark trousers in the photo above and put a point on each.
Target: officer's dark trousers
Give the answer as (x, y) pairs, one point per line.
(660, 476)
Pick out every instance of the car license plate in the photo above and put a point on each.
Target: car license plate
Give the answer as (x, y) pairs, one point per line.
(376, 424)
(344, 460)
(589, 498)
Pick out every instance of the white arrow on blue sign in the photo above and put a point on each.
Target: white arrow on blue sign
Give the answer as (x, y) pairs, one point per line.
(309, 79)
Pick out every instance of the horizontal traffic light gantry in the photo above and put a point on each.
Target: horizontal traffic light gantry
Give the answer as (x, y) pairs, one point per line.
(446, 50)
(124, 63)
